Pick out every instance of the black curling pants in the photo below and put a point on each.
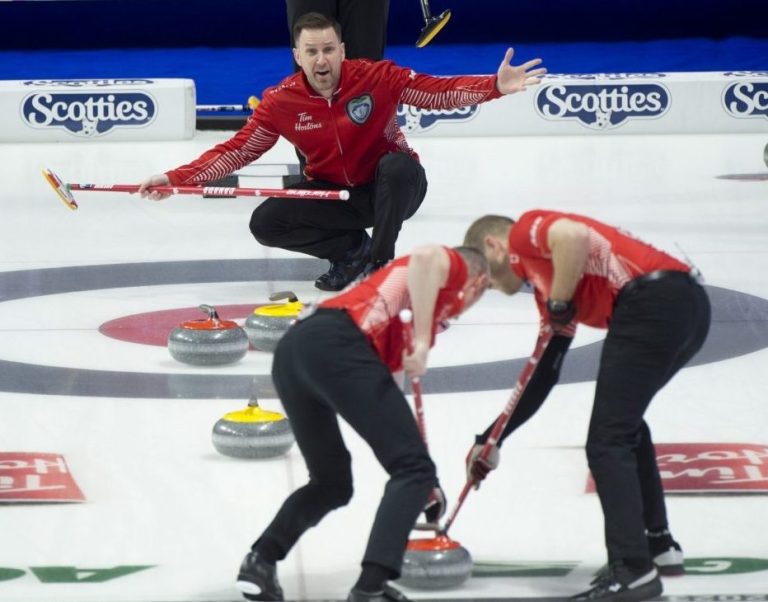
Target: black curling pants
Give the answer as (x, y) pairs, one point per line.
(323, 368)
(328, 229)
(656, 328)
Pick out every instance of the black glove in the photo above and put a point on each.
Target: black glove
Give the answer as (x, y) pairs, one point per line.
(478, 469)
(435, 506)
(561, 313)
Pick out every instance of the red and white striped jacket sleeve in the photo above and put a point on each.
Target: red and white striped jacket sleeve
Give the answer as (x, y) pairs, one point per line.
(255, 138)
(430, 92)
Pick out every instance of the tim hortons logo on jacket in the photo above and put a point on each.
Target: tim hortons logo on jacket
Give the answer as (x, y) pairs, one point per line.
(746, 99)
(412, 119)
(602, 106)
(710, 468)
(304, 122)
(88, 114)
(359, 109)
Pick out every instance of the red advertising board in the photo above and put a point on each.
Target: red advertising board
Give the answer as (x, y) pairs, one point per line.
(710, 468)
(36, 477)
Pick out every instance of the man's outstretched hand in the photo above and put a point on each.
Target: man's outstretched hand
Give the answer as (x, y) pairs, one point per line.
(511, 79)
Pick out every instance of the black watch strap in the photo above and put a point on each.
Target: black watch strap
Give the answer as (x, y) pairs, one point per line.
(556, 306)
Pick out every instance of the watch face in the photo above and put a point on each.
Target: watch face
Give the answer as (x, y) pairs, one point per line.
(558, 305)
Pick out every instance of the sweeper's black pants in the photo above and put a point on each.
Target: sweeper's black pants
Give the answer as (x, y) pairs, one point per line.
(328, 229)
(323, 368)
(659, 322)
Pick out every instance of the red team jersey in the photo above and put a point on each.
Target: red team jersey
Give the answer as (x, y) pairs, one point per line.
(375, 305)
(343, 138)
(615, 258)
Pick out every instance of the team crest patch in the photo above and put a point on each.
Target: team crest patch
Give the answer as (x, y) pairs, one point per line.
(359, 109)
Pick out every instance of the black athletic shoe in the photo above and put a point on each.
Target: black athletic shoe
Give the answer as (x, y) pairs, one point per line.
(619, 583)
(257, 580)
(666, 553)
(346, 270)
(387, 594)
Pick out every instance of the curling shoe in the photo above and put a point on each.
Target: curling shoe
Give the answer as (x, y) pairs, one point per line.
(257, 579)
(666, 553)
(619, 583)
(346, 270)
(387, 594)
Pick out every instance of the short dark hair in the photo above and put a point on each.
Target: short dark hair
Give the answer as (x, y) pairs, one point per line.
(477, 264)
(496, 225)
(314, 21)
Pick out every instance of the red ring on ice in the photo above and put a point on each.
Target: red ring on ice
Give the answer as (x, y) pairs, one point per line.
(154, 327)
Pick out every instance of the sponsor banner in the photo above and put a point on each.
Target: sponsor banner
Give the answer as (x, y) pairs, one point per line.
(413, 120)
(746, 99)
(610, 103)
(97, 110)
(602, 106)
(36, 477)
(733, 468)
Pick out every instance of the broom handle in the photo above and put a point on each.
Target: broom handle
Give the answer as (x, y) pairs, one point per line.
(503, 419)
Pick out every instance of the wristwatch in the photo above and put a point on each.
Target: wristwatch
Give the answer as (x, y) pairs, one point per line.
(556, 306)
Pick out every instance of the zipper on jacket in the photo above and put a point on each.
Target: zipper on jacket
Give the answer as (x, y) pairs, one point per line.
(338, 142)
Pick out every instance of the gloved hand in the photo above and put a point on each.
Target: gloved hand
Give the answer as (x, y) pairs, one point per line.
(435, 506)
(478, 469)
(561, 314)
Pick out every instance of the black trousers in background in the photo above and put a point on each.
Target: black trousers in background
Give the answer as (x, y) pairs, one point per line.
(656, 328)
(328, 229)
(323, 368)
(363, 23)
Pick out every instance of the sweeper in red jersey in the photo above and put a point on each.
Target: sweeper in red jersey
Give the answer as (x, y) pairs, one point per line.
(657, 317)
(341, 115)
(339, 362)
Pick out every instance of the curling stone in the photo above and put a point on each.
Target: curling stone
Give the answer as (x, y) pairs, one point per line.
(252, 433)
(435, 563)
(211, 342)
(268, 323)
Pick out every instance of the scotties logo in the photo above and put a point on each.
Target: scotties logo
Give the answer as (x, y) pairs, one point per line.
(747, 99)
(359, 109)
(412, 119)
(88, 114)
(602, 106)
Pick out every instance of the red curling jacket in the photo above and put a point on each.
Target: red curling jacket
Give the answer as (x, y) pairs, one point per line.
(344, 137)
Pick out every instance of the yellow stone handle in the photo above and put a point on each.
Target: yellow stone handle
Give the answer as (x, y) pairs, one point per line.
(254, 414)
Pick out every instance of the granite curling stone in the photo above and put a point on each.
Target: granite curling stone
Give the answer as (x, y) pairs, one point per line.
(435, 563)
(209, 342)
(252, 433)
(268, 323)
